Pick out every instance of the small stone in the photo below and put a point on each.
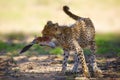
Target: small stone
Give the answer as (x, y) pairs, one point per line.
(81, 78)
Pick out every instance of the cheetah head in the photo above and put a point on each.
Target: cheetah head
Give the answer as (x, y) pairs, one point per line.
(50, 30)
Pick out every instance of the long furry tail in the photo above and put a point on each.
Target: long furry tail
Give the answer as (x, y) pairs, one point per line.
(70, 14)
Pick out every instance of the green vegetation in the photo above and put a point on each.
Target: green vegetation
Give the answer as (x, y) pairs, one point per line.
(56, 51)
(106, 43)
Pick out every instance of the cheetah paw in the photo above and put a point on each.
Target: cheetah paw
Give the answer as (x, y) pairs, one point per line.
(97, 72)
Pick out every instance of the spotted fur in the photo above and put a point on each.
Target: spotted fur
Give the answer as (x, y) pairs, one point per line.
(74, 38)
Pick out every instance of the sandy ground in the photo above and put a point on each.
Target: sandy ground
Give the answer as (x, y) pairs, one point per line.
(46, 67)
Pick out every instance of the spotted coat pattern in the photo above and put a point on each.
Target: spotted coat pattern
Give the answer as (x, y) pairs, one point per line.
(74, 38)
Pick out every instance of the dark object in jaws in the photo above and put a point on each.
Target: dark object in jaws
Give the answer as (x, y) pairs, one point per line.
(26, 48)
(43, 41)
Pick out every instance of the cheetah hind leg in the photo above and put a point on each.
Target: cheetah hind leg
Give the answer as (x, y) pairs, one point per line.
(95, 71)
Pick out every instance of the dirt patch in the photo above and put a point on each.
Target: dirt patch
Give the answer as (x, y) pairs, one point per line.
(46, 67)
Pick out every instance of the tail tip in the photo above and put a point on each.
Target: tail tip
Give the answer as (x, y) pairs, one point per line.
(65, 7)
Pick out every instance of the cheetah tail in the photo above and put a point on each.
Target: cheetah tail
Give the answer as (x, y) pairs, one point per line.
(70, 14)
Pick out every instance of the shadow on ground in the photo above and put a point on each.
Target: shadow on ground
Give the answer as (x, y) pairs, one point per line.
(47, 67)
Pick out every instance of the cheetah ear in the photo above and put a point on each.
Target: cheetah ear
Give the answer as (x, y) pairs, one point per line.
(57, 29)
(49, 23)
(56, 24)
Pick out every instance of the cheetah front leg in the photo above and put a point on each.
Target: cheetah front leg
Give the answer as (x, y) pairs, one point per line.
(64, 63)
(81, 56)
(76, 63)
(92, 60)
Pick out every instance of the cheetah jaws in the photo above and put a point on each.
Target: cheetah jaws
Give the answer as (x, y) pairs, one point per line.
(42, 41)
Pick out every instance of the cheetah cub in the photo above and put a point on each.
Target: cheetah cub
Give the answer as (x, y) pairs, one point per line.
(73, 39)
